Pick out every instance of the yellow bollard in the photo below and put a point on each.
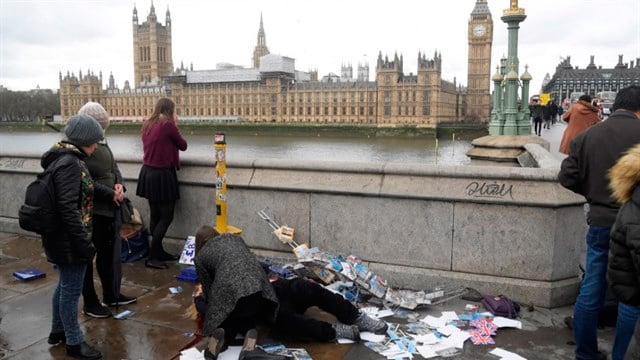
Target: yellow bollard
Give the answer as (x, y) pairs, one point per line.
(221, 186)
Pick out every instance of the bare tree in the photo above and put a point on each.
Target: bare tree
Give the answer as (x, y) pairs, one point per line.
(28, 106)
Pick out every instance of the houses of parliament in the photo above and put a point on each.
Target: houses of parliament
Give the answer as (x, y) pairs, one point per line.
(272, 90)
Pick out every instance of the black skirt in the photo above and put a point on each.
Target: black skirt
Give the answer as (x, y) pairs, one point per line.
(158, 184)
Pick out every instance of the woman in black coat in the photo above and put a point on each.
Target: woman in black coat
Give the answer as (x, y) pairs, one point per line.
(70, 247)
(624, 252)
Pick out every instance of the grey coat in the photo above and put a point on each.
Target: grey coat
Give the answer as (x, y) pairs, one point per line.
(228, 271)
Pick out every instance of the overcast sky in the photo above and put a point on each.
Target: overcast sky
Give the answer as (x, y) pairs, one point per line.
(39, 38)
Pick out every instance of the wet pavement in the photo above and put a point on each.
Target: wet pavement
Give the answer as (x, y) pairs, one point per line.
(160, 327)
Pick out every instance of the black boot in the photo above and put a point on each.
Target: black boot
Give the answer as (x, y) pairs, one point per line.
(56, 338)
(83, 351)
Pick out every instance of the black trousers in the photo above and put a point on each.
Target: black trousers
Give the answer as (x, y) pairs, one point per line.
(244, 316)
(161, 218)
(537, 125)
(296, 296)
(103, 238)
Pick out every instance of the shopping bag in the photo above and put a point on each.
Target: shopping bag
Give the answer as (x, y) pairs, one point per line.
(501, 306)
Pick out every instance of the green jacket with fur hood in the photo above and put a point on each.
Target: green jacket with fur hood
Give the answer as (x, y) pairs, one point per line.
(624, 247)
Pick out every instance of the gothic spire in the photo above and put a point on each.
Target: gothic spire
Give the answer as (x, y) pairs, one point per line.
(135, 14)
(261, 46)
(152, 13)
(261, 36)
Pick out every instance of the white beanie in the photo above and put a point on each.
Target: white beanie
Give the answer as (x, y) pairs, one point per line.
(97, 112)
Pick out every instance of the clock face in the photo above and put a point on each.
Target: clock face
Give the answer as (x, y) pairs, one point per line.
(479, 30)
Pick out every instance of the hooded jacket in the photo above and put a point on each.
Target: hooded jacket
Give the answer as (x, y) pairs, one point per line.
(580, 117)
(71, 243)
(228, 271)
(592, 154)
(624, 247)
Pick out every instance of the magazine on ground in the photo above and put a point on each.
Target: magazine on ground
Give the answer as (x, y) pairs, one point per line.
(29, 274)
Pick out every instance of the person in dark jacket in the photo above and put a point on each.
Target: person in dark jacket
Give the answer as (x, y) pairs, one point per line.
(584, 171)
(536, 115)
(553, 111)
(158, 180)
(297, 295)
(235, 290)
(70, 247)
(546, 115)
(624, 248)
(106, 177)
(291, 296)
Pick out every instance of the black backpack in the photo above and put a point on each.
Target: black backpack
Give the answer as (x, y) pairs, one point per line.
(38, 213)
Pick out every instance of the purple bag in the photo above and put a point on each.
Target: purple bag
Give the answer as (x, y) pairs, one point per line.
(501, 306)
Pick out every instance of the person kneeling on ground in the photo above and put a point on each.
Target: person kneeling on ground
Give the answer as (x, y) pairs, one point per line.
(236, 293)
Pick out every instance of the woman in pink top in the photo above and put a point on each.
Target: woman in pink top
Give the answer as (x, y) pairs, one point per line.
(158, 181)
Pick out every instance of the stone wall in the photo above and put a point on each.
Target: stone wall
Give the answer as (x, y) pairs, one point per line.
(512, 231)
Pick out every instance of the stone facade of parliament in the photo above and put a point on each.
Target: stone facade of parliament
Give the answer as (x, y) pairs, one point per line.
(273, 91)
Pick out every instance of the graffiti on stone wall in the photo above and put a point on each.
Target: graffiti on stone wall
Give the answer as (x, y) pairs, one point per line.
(12, 163)
(489, 190)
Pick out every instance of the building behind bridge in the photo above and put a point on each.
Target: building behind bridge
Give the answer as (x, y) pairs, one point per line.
(274, 91)
(592, 79)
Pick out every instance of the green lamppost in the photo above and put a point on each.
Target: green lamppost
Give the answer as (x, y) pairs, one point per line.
(508, 118)
(497, 117)
(511, 103)
(525, 123)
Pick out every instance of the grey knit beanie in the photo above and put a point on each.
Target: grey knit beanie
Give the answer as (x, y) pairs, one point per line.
(97, 112)
(83, 130)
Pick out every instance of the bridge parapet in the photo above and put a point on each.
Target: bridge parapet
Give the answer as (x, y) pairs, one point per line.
(505, 230)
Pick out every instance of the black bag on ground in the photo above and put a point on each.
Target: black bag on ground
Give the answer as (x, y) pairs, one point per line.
(38, 213)
(135, 243)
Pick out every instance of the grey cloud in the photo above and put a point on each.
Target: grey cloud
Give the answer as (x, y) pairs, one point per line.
(50, 23)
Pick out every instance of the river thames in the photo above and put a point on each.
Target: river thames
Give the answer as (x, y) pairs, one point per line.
(359, 149)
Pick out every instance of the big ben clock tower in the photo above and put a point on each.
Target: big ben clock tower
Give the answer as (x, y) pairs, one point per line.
(479, 68)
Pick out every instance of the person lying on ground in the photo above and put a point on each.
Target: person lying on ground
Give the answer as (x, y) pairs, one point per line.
(228, 256)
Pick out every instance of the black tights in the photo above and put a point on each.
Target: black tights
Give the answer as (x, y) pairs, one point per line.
(103, 240)
(161, 218)
(296, 296)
